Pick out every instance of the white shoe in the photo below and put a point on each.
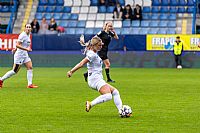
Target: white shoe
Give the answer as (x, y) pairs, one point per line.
(88, 106)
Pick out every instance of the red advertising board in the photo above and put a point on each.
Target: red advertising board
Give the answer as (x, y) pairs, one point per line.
(8, 41)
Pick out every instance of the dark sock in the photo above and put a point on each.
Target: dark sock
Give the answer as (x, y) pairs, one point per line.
(107, 73)
(85, 76)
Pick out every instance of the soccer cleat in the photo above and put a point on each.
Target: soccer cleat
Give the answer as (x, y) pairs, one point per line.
(1, 83)
(85, 76)
(111, 81)
(88, 106)
(32, 86)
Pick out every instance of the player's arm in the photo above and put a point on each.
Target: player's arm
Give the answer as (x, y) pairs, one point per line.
(78, 66)
(19, 45)
(114, 34)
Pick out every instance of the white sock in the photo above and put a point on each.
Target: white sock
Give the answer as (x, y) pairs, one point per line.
(117, 99)
(8, 75)
(29, 76)
(101, 99)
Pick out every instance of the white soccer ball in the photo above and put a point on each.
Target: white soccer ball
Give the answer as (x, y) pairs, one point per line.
(125, 111)
(179, 66)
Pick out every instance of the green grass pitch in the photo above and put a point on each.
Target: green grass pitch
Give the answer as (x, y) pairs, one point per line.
(162, 100)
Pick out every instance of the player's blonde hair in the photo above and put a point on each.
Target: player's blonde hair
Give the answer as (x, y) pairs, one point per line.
(106, 23)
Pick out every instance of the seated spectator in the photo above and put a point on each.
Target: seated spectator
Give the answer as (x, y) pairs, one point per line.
(43, 26)
(52, 26)
(102, 3)
(118, 11)
(137, 13)
(111, 2)
(35, 26)
(127, 13)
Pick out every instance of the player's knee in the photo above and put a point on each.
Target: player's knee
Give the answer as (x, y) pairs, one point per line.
(115, 92)
(108, 96)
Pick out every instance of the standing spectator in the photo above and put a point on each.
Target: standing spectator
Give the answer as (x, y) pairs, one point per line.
(52, 26)
(35, 26)
(43, 26)
(178, 49)
(127, 13)
(118, 12)
(137, 13)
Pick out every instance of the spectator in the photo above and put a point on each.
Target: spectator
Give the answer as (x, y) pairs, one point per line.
(35, 26)
(127, 13)
(52, 26)
(137, 13)
(118, 11)
(102, 3)
(111, 2)
(43, 26)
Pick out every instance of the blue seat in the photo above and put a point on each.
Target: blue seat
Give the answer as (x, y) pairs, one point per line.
(155, 9)
(121, 2)
(102, 9)
(156, 3)
(164, 2)
(172, 17)
(146, 9)
(64, 23)
(118, 31)
(67, 9)
(58, 9)
(146, 16)
(171, 31)
(72, 24)
(97, 30)
(38, 16)
(94, 2)
(173, 9)
(135, 23)
(162, 31)
(153, 31)
(173, 3)
(57, 16)
(60, 2)
(190, 9)
(41, 9)
(79, 31)
(163, 23)
(190, 2)
(51, 2)
(154, 23)
(164, 9)
(155, 16)
(143, 31)
(134, 31)
(110, 9)
(66, 16)
(48, 15)
(70, 30)
(50, 9)
(182, 3)
(172, 24)
(74, 16)
(81, 24)
(181, 10)
(43, 2)
(164, 16)
(145, 23)
(126, 23)
(89, 31)
(125, 31)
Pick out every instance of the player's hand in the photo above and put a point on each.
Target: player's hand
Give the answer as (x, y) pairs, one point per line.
(69, 74)
(14, 50)
(199, 46)
(29, 49)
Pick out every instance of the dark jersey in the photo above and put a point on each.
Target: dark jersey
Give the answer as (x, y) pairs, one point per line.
(106, 38)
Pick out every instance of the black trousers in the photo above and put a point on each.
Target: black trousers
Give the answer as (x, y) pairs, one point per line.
(178, 60)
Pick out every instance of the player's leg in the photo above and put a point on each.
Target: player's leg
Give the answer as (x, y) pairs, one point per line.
(85, 76)
(10, 73)
(107, 69)
(30, 74)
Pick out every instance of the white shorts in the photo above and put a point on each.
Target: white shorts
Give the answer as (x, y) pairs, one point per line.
(95, 81)
(21, 59)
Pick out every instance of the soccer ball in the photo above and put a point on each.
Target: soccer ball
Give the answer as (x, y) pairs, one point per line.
(179, 66)
(125, 111)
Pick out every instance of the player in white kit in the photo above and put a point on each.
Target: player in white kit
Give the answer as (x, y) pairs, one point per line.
(95, 77)
(21, 57)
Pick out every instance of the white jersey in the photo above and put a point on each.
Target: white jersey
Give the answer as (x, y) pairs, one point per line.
(95, 77)
(26, 41)
(95, 62)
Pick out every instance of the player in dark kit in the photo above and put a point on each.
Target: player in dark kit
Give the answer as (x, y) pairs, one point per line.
(106, 35)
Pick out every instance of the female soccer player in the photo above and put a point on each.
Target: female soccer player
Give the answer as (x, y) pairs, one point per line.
(105, 35)
(21, 57)
(95, 77)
